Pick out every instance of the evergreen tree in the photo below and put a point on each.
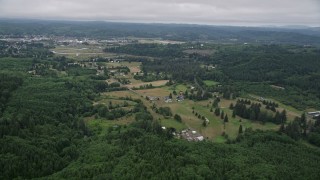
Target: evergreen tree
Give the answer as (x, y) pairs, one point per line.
(217, 112)
(233, 114)
(303, 124)
(215, 103)
(226, 119)
(174, 92)
(231, 106)
(277, 118)
(177, 117)
(252, 115)
(282, 128)
(240, 129)
(222, 115)
(204, 124)
(226, 95)
(186, 93)
(293, 129)
(283, 116)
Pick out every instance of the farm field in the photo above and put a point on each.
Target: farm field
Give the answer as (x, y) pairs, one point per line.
(81, 52)
(133, 66)
(216, 130)
(216, 126)
(173, 123)
(213, 130)
(101, 125)
(154, 84)
(291, 111)
(156, 41)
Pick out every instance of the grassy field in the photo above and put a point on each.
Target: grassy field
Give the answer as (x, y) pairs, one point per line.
(212, 131)
(220, 139)
(80, 48)
(153, 92)
(154, 83)
(173, 123)
(216, 127)
(133, 66)
(177, 88)
(107, 100)
(81, 52)
(210, 83)
(100, 126)
(156, 41)
(291, 111)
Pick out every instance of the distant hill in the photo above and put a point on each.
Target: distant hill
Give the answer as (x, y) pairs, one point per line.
(182, 32)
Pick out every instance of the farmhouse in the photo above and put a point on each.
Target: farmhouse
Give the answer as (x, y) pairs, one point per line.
(180, 98)
(167, 99)
(211, 67)
(314, 114)
(191, 135)
(153, 98)
(33, 72)
(200, 138)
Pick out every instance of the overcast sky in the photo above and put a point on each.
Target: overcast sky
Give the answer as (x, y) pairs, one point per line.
(218, 12)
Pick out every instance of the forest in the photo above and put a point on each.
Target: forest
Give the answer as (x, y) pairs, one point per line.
(251, 68)
(154, 50)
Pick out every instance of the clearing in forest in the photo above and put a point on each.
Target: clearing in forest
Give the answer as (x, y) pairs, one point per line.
(154, 84)
(189, 111)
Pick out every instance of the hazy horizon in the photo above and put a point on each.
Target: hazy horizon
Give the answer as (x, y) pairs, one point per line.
(293, 26)
(206, 12)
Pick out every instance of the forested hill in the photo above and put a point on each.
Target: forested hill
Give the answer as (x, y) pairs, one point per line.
(181, 32)
(134, 154)
(294, 68)
(43, 135)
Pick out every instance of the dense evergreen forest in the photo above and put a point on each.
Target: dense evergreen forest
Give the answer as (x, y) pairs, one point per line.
(45, 100)
(154, 50)
(251, 68)
(295, 69)
(134, 153)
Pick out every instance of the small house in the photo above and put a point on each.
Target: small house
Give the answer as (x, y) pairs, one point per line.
(167, 99)
(199, 138)
(153, 98)
(180, 98)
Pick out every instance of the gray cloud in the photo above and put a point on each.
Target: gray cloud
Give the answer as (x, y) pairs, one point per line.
(228, 12)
